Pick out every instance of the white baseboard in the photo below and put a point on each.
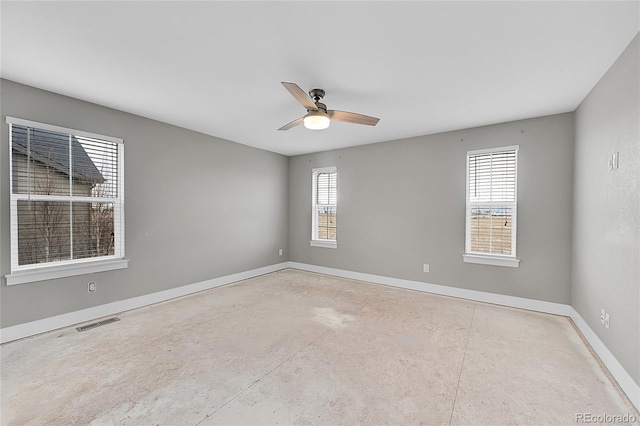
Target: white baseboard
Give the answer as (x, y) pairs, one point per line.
(627, 384)
(477, 296)
(32, 328)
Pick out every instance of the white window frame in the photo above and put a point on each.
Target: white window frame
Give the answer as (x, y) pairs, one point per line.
(486, 258)
(21, 274)
(315, 241)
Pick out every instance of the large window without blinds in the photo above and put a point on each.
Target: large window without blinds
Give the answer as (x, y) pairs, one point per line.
(67, 201)
(492, 206)
(324, 207)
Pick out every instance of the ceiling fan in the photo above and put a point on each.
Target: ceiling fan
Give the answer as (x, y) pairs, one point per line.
(318, 116)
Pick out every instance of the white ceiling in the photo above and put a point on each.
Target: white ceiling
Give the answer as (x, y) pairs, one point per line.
(216, 67)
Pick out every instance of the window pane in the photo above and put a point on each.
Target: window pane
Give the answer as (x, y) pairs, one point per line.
(480, 229)
(327, 220)
(327, 190)
(492, 177)
(40, 161)
(95, 167)
(93, 230)
(43, 165)
(501, 230)
(490, 229)
(43, 232)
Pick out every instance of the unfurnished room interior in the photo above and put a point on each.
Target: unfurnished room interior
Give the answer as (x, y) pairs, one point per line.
(314, 212)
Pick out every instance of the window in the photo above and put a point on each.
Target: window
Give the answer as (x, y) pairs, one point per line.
(67, 202)
(324, 207)
(492, 206)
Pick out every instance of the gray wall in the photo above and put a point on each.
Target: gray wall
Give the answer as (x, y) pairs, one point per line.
(197, 207)
(402, 204)
(606, 232)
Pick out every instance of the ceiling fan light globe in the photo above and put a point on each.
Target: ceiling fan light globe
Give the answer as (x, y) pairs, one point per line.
(316, 120)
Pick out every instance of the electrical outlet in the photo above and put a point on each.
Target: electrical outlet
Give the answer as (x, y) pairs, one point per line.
(91, 287)
(606, 321)
(602, 315)
(425, 267)
(280, 252)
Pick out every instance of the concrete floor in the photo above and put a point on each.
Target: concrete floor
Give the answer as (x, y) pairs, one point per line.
(297, 347)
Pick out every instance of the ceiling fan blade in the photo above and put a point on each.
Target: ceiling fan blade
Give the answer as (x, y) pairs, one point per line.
(294, 123)
(352, 117)
(300, 96)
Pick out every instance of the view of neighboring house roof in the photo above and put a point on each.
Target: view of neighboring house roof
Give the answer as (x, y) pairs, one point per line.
(52, 149)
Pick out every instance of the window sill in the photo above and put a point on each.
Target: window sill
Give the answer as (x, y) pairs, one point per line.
(323, 243)
(481, 259)
(52, 272)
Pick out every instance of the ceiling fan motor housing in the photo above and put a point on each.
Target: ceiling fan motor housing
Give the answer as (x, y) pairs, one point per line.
(316, 94)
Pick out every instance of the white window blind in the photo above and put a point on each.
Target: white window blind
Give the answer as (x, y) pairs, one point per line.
(492, 202)
(325, 205)
(67, 200)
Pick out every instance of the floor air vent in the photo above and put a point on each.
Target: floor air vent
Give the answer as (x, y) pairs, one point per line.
(97, 324)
